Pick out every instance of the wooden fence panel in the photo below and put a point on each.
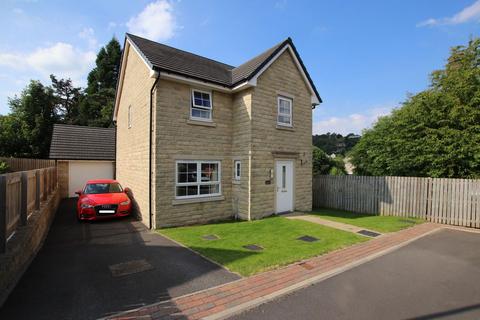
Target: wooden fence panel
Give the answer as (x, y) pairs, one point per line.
(13, 201)
(448, 201)
(26, 164)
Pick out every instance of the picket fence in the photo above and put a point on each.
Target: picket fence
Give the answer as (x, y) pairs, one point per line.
(448, 201)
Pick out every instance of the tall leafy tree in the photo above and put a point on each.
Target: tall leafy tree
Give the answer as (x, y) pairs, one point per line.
(96, 108)
(34, 112)
(436, 132)
(67, 100)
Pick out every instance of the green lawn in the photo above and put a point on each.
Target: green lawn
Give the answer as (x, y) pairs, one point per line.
(277, 235)
(376, 223)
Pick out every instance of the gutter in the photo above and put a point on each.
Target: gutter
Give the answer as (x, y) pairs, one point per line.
(157, 78)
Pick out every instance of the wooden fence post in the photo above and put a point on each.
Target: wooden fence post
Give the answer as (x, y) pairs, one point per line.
(3, 213)
(37, 190)
(24, 198)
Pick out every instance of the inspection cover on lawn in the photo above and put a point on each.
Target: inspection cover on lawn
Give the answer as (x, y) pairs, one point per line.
(307, 239)
(253, 247)
(210, 237)
(369, 233)
(129, 267)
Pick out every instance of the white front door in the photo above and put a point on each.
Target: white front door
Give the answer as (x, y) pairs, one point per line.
(284, 179)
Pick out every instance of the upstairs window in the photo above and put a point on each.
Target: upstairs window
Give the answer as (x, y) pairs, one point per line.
(129, 117)
(237, 167)
(201, 108)
(284, 117)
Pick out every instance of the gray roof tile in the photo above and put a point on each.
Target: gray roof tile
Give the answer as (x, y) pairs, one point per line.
(70, 142)
(164, 58)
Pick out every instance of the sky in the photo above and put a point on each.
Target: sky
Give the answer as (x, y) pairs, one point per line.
(364, 57)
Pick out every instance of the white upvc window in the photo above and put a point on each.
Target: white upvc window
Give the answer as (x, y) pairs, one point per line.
(195, 179)
(201, 107)
(284, 117)
(129, 117)
(237, 167)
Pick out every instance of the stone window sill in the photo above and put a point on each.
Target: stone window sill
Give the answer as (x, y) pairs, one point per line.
(285, 128)
(236, 181)
(197, 200)
(201, 123)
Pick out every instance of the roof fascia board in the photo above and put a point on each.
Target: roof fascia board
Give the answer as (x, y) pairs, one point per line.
(128, 44)
(253, 80)
(191, 81)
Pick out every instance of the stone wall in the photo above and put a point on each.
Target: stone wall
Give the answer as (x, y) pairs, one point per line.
(132, 160)
(179, 138)
(24, 245)
(269, 140)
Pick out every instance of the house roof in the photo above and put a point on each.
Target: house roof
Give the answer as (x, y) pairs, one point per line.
(70, 142)
(161, 57)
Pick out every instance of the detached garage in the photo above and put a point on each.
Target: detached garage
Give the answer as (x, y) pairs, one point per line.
(82, 153)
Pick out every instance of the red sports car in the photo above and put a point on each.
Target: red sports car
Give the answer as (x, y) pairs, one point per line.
(102, 199)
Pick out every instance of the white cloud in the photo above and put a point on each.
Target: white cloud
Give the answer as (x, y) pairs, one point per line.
(353, 123)
(468, 14)
(61, 59)
(88, 34)
(155, 22)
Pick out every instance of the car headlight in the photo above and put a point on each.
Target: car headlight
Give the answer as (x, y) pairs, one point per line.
(86, 206)
(124, 203)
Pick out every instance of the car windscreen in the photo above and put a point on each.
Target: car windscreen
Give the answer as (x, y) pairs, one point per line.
(96, 188)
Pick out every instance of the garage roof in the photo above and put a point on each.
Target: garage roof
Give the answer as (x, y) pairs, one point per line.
(70, 142)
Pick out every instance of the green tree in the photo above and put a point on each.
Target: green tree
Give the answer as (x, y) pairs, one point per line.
(67, 100)
(13, 137)
(323, 164)
(35, 112)
(436, 132)
(96, 107)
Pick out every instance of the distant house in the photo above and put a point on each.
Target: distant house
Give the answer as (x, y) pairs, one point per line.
(82, 153)
(200, 140)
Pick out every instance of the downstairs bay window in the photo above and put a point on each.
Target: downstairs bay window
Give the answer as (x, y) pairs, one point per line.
(195, 179)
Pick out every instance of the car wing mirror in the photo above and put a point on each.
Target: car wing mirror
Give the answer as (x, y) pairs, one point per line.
(78, 192)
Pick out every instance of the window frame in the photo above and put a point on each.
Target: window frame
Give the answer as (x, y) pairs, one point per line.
(203, 108)
(198, 183)
(290, 100)
(237, 175)
(129, 117)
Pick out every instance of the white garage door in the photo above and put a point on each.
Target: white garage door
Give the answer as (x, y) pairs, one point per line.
(79, 172)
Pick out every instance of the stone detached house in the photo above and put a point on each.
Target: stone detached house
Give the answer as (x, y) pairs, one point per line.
(200, 140)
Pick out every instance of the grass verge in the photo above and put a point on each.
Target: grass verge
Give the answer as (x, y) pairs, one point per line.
(277, 235)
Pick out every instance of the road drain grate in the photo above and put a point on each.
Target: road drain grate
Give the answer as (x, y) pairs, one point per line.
(210, 237)
(369, 233)
(307, 239)
(129, 267)
(253, 247)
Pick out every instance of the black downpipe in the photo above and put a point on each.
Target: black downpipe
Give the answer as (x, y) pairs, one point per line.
(150, 154)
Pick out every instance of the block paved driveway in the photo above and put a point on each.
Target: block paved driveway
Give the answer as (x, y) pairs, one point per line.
(435, 277)
(70, 277)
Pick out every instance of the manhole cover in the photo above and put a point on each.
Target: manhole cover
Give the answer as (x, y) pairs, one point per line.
(369, 233)
(210, 237)
(129, 267)
(253, 247)
(307, 239)
(407, 221)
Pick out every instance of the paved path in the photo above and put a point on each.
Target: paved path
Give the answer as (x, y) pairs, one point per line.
(436, 277)
(71, 279)
(329, 223)
(226, 300)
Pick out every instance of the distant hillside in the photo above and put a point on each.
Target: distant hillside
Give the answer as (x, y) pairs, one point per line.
(335, 143)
